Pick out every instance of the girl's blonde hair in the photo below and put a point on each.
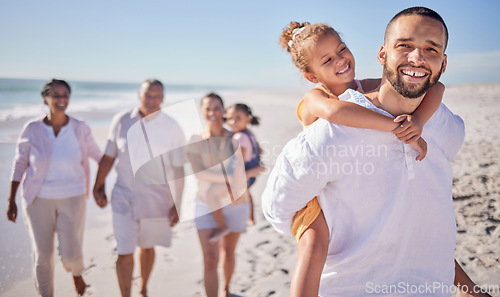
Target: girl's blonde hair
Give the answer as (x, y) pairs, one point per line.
(297, 39)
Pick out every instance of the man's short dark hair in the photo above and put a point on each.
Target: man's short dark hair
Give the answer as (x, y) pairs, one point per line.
(422, 11)
(153, 81)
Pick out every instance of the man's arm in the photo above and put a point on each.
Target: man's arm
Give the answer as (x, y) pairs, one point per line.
(177, 191)
(300, 174)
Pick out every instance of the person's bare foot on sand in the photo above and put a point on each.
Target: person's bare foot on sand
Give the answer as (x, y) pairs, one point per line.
(218, 235)
(80, 285)
(143, 294)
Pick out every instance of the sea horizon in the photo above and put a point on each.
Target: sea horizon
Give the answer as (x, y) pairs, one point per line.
(20, 98)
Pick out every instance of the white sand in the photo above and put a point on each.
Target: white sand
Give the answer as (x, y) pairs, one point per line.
(476, 186)
(265, 260)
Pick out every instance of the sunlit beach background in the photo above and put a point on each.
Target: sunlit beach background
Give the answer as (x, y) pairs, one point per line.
(105, 49)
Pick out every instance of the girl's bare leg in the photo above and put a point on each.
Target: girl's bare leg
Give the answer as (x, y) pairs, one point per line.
(311, 257)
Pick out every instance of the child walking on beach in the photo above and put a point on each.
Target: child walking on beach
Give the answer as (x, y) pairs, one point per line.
(238, 116)
(324, 59)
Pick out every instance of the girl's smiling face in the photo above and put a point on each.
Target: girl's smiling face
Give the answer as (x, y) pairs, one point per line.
(331, 62)
(237, 119)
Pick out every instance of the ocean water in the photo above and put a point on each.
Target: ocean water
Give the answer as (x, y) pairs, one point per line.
(20, 98)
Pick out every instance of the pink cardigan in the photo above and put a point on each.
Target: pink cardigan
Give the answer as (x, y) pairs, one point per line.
(34, 152)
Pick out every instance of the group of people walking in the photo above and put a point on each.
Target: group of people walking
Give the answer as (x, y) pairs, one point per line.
(52, 164)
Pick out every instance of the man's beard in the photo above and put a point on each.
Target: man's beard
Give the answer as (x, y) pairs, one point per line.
(411, 91)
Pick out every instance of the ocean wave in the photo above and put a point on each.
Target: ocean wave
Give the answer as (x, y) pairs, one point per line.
(90, 102)
(20, 98)
(20, 111)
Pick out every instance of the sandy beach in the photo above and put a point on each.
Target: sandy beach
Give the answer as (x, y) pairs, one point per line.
(265, 260)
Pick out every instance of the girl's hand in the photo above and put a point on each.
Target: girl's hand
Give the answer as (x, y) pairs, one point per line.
(421, 146)
(409, 130)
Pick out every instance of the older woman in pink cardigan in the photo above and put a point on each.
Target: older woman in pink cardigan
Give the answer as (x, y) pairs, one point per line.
(52, 163)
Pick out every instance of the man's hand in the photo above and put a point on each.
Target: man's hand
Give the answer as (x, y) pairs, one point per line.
(409, 130)
(173, 216)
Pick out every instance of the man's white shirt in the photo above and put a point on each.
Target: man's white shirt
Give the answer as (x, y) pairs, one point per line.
(391, 218)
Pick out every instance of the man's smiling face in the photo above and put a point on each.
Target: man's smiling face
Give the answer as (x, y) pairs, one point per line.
(413, 54)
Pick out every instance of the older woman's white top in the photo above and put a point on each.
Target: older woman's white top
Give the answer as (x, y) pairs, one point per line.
(65, 177)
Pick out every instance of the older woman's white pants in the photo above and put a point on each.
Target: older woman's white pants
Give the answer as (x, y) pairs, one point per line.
(46, 217)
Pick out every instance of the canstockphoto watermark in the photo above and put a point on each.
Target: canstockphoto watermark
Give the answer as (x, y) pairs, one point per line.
(427, 288)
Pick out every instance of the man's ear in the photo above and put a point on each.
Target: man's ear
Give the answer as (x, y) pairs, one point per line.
(382, 55)
(311, 77)
(445, 62)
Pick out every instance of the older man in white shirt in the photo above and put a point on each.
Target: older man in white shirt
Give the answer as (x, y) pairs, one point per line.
(391, 219)
(143, 204)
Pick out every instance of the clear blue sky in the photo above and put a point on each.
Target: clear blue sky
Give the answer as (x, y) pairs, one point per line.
(220, 43)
